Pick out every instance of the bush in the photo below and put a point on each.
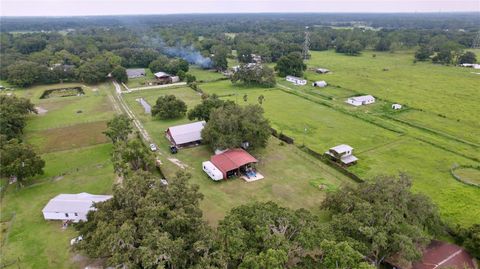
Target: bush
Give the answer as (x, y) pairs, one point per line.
(169, 107)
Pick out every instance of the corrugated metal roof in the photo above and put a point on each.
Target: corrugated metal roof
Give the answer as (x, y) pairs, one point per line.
(135, 72)
(161, 74)
(341, 148)
(362, 98)
(80, 202)
(187, 133)
(232, 159)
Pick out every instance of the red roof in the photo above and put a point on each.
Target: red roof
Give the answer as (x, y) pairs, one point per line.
(232, 159)
(444, 255)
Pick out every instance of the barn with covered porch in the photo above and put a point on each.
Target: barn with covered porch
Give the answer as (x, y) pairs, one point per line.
(236, 163)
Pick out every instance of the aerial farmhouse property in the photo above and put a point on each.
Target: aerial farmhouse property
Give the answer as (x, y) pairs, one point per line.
(185, 135)
(296, 80)
(135, 72)
(72, 207)
(342, 154)
(321, 84)
(232, 163)
(361, 100)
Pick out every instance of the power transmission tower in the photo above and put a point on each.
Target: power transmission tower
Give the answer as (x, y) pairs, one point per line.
(306, 45)
(476, 42)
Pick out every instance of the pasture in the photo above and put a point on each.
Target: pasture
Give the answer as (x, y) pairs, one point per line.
(288, 171)
(77, 157)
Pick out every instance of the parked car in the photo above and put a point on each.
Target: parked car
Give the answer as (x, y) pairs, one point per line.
(173, 149)
(153, 147)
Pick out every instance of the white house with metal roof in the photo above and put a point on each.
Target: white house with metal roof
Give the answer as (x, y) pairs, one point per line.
(361, 100)
(343, 154)
(186, 134)
(72, 207)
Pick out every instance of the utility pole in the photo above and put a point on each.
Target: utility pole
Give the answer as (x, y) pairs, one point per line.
(476, 42)
(306, 45)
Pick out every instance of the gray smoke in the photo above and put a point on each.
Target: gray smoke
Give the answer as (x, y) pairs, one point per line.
(189, 54)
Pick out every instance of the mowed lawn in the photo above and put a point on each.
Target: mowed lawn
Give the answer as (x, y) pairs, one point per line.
(69, 137)
(380, 151)
(291, 176)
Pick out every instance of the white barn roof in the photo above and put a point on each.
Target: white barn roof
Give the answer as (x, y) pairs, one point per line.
(80, 202)
(342, 148)
(362, 98)
(187, 133)
(161, 74)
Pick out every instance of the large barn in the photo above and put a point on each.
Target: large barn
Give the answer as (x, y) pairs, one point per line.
(233, 163)
(186, 134)
(72, 207)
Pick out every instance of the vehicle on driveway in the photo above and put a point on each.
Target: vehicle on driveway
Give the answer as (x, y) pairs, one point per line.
(153, 147)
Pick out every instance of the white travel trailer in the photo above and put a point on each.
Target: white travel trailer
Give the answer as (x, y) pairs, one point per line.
(296, 80)
(321, 84)
(212, 171)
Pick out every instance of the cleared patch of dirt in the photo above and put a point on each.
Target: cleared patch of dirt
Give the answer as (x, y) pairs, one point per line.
(178, 163)
(41, 110)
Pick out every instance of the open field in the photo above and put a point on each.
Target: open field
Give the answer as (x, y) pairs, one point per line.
(77, 157)
(288, 171)
(386, 141)
(204, 75)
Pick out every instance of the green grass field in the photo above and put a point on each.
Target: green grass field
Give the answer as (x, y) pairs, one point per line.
(77, 157)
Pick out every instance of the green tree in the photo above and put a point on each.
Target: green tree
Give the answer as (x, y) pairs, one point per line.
(468, 57)
(13, 113)
(19, 160)
(94, 71)
(230, 126)
(159, 64)
(119, 128)
(383, 44)
(469, 238)
(383, 218)
(423, 53)
(24, 73)
(134, 154)
(444, 56)
(291, 65)
(202, 111)
(219, 58)
(252, 75)
(150, 225)
(169, 107)
(120, 74)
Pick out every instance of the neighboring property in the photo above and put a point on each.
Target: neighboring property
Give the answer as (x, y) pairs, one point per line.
(322, 70)
(296, 80)
(256, 58)
(72, 207)
(136, 72)
(321, 84)
(396, 106)
(186, 134)
(361, 100)
(232, 163)
(164, 78)
(342, 154)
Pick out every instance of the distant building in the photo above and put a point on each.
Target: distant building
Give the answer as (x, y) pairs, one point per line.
(72, 207)
(396, 106)
(164, 78)
(136, 72)
(256, 58)
(186, 134)
(296, 80)
(342, 154)
(321, 84)
(361, 100)
(322, 70)
(474, 66)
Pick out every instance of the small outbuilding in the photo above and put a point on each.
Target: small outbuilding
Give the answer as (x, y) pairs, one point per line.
(185, 135)
(164, 78)
(342, 154)
(135, 72)
(361, 100)
(321, 84)
(72, 207)
(322, 70)
(234, 162)
(396, 106)
(296, 80)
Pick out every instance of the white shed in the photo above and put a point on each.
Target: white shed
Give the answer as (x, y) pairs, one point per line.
(361, 100)
(296, 80)
(72, 207)
(212, 171)
(396, 106)
(321, 84)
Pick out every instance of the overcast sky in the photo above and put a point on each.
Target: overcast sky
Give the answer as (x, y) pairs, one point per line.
(117, 7)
